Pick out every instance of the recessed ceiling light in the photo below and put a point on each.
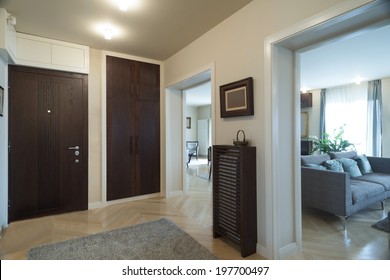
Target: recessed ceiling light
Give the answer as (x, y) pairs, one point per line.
(123, 5)
(108, 30)
(358, 80)
(108, 33)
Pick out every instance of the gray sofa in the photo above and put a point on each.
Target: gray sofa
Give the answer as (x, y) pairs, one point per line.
(344, 193)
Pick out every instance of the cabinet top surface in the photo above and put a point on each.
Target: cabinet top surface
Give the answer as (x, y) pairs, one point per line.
(234, 147)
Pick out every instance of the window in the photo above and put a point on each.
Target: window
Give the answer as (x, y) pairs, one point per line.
(347, 106)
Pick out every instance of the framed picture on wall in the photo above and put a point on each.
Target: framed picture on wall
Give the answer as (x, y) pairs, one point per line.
(306, 100)
(1, 101)
(237, 98)
(304, 125)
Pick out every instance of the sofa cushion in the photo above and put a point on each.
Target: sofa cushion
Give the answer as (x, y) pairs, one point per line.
(364, 190)
(334, 164)
(363, 164)
(335, 155)
(379, 178)
(314, 159)
(350, 166)
(315, 166)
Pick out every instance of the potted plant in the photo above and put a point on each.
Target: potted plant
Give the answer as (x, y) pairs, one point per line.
(331, 144)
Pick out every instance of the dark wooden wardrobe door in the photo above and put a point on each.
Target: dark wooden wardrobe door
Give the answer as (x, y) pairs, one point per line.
(48, 165)
(148, 128)
(120, 129)
(133, 128)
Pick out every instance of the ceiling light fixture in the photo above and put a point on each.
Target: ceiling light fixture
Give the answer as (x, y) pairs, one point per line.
(358, 80)
(108, 30)
(108, 33)
(123, 5)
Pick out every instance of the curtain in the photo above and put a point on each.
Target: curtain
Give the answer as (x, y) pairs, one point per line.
(346, 106)
(322, 112)
(374, 117)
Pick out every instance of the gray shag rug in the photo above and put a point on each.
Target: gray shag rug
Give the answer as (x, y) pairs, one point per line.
(156, 240)
(383, 225)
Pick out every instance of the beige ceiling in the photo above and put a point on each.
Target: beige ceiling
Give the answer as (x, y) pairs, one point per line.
(153, 28)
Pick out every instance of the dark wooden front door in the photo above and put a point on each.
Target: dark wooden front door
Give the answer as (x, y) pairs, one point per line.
(48, 152)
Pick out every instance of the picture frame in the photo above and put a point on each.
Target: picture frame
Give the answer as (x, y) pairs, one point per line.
(1, 101)
(306, 100)
(188, 122)
(304, 125)
(237, 98)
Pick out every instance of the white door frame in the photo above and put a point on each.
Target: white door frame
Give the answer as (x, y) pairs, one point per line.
(180, 85)
(332, 23)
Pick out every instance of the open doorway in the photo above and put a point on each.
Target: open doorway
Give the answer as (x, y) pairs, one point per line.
(198, 137)
(189, 113)
(282, 102)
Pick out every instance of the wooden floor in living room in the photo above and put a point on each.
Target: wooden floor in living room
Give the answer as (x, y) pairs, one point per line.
(323, 237)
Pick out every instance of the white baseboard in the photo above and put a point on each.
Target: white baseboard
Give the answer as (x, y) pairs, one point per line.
(175, 193)
(284, 252)
(262, 251)
(135, 198)
(100, 204)
(95, 205)
(288, 250)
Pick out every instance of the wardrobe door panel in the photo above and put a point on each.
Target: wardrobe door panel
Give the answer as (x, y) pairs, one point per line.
(148, 147)
(133, 128)
(119, 77)
(120, 150)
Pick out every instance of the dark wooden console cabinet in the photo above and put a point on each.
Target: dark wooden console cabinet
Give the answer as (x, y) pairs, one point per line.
(234, 196)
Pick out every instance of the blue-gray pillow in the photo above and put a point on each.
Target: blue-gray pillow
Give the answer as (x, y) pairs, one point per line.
(363, 164)
(350, 166)
(334, 164)
(315, 166)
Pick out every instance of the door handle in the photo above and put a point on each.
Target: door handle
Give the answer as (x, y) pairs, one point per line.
(74, 148)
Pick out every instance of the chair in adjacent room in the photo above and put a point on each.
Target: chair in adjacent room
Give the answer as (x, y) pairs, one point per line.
(209, 161)
(192, 150)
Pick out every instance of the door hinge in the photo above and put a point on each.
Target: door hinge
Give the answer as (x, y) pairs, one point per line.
(9, 203)
(9, 146)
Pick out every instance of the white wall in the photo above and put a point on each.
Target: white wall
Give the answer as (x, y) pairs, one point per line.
(204, 112)
(174, 142)
(236, 47)
(94, 128)
(4, 147)
(192, 133)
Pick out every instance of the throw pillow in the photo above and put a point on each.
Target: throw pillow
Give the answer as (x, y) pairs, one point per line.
(315, 166)
(350, 166)
(363, 164)
(334, 164)
(338, 155)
